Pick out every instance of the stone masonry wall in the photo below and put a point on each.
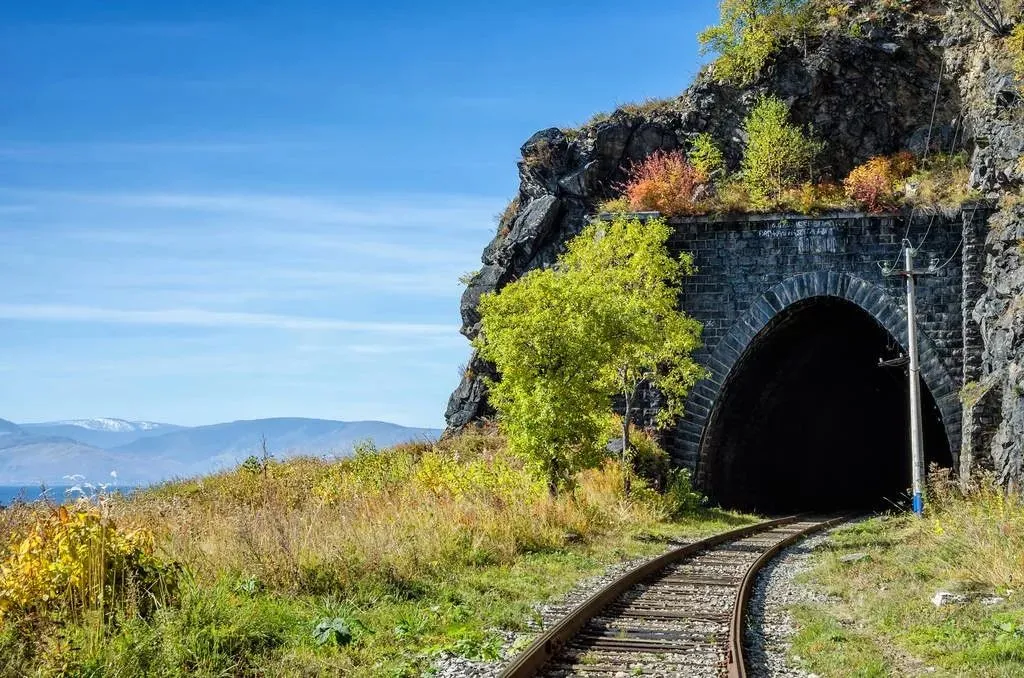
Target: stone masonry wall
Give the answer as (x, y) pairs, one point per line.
(752, 267)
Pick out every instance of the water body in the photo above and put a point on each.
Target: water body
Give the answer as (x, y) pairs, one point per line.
(57, 494)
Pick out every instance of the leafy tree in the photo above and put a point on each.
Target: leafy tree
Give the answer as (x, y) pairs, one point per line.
(750, 32)
(538, 334)
(570, 340)
(634, 284)
(778, 154)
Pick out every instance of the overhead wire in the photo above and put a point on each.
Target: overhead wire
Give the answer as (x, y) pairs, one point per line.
(946, 263)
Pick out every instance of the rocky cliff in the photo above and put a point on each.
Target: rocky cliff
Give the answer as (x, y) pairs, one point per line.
(890, 79)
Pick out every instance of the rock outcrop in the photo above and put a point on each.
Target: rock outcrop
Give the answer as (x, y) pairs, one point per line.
(993, 121)
(903, 79)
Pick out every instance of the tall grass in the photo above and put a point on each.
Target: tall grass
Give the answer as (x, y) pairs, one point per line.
(414, 549)
(975, 531)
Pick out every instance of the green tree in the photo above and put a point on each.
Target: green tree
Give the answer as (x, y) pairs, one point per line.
(707, 157)
(634, 289)
(549, 405)
(778, 154)
(750, 32)
(570, 340)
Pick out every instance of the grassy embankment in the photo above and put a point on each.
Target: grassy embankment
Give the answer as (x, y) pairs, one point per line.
(880, 620)
(368, 566)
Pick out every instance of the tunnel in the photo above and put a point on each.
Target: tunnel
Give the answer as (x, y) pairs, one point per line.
(809, 421)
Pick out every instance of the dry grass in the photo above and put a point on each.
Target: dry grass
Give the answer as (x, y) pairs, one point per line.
(415, 550)
(310, 524)
(942, 182)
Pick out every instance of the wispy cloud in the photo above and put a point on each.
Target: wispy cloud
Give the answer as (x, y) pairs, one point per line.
(206, 318)
(121, 150)
(408, 210)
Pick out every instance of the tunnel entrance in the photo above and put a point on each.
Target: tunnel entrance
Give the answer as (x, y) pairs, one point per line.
(808, 421)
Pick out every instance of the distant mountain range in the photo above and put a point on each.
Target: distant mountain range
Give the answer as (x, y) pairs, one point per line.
(144, 452)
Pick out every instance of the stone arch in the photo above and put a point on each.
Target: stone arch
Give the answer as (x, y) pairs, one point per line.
(770, 305)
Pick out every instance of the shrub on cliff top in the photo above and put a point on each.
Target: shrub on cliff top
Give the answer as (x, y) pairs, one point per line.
(876, 183)
(778, 155)
(666, 183)
(706, 156)
(750, 32)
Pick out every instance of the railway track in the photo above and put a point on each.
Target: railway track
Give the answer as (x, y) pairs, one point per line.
(681, 614)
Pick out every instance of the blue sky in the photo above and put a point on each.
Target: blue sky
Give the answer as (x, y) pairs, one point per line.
(228, 210)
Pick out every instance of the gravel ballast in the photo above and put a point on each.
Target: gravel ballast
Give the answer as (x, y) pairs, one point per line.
(769, 625)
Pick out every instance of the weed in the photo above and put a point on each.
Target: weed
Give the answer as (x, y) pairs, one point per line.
(618, 205)
(648, 107)
(504, 219)
(941, 182)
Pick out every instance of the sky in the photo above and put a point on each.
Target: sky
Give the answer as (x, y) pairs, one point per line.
(223, 210)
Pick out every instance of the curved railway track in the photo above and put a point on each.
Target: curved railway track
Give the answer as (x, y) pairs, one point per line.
(681, 614)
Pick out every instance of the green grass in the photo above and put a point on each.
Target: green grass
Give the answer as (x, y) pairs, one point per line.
(405, 554)
(879, 619)
(825, 646)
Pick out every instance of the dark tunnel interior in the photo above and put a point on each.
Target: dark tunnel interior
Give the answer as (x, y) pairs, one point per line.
(808, 420)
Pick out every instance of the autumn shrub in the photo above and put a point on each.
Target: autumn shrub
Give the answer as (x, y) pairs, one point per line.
(877, 184)
(778, 155)
(666, 182)
(68, 562)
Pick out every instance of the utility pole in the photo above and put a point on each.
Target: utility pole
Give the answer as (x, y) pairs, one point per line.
(914, 375)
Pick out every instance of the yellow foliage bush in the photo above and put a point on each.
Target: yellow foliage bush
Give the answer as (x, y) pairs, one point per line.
(70, 561)
(876, 183)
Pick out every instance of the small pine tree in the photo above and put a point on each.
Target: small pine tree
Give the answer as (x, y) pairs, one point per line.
(706, 157)
(778, 154)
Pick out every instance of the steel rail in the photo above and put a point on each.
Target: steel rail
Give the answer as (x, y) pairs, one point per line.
(736, 663)
(533, 659)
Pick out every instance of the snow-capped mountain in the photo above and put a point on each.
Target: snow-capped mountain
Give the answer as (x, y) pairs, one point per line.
(110, 424)
(104, 433)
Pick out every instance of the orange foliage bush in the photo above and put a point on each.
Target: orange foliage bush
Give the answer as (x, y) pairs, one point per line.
(874, 183)
(667, 183)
